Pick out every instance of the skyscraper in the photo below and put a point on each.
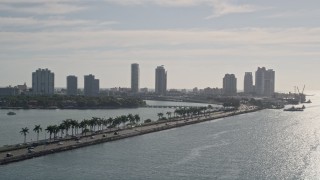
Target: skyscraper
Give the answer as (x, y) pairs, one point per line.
(230, 84)
(161, 80)
(259, 85)
(91, 85)
(269, 82)
(135, 71)
(43, 82)
(248, 83)
(96, 87)
(72, 85)
(265, 82)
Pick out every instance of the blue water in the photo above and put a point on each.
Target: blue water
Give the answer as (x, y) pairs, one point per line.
(270, 144)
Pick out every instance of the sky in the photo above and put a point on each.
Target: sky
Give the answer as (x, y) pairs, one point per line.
(198, 41)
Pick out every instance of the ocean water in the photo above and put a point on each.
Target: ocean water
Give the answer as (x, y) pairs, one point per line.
(10, 126)
(269, 144)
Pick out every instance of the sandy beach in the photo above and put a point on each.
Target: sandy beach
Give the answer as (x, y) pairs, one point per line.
(23, 153)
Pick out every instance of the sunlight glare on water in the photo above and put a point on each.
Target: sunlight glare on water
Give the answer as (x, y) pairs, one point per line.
(269, 144)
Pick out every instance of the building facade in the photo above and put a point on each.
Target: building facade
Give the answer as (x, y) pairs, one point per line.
(161, 81)
(230, 84)
(43, 82)
(9, 91)
(22, 88)
(135, 75)
(265, 82)
(72, 85)
(91, 85)
(248, 83)
(259, 81)
(269, 83)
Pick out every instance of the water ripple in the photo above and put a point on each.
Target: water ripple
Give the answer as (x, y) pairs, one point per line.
(195, 153)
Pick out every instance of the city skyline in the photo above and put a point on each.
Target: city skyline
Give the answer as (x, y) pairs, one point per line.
(229, 86)
(195, 39)
(71, 83)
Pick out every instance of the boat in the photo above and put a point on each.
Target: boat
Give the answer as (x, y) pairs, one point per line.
(11, 113)
(295, 109)
(309, 101)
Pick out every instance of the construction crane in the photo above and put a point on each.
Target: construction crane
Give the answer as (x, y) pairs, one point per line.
(300, 96)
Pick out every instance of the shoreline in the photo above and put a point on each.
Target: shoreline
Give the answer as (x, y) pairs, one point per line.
(21, 153)
(69, 108)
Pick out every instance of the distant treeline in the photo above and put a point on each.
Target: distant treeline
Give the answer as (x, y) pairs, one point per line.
(228, 102)
(65, 102)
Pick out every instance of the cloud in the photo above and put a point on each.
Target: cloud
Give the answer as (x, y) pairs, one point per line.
(223, 7)
(32, 22)
(220, 7)
(294, 14)
(167, 43)
(159, 2)
(41, 8)
(23, 23)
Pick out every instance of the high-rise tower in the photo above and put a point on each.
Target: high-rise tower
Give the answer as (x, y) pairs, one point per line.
(259, 85)
(248, 83)
(161, 80)
(91, 85)
(265, 82)
(230, 84)
(135, 72)
(269, 82)
(72, 85)
(43, 82)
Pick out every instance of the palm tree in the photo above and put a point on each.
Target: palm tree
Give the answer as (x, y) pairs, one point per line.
(110, 122)
(85, 131)
(204, 110)
(124, 119)
(160, 115)
(74, 126)
(24, 132)
(37, 129)
(93, 123)
(83, 125)
(169, 114)
(55, 131)
(175, 112)
(104, 123)
(131, 118)
(137, 118)
(77, 126)
(116, 121)
(71, 123)
(62, 127)
(67, 124)
(99, 123)
(50, 130)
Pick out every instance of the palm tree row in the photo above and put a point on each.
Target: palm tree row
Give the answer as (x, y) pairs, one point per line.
(191, 111)
(87, 125)
(185, 112)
